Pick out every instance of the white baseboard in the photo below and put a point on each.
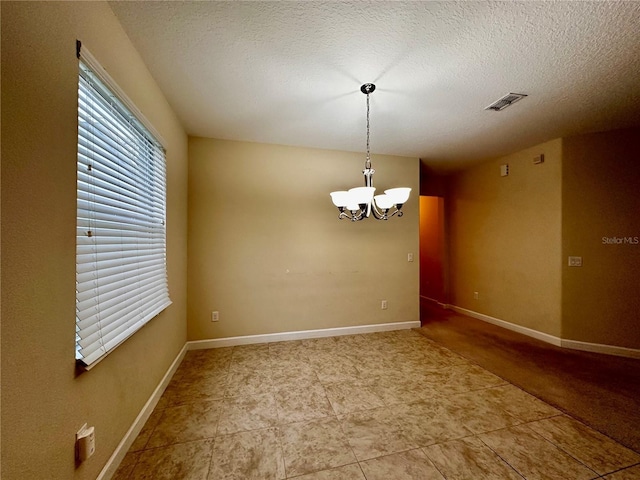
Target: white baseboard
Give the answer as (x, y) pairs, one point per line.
(123, 447)
(600, 348)
(545, 337)
(301, 335)
(433, 300)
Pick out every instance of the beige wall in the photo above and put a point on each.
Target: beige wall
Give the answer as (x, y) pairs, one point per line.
(267, 250)
(43, 402)
(505, 239)
(601, 198)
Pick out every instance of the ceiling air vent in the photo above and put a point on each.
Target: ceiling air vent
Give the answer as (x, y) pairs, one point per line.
(504, 102)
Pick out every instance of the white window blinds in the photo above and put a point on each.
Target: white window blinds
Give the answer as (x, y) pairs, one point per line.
(121, 280)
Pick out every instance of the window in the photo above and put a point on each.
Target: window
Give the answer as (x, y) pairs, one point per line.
(121, 279)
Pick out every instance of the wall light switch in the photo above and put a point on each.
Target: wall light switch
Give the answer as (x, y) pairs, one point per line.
(409, 257)
(85, 443)
(504, 170)
(575, 261)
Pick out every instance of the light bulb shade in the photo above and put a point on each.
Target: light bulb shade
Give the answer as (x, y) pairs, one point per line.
(340, 198)
(360, 195)
(398, 195)
(383, 201)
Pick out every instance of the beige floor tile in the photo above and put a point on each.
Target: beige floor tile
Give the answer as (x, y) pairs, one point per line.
(469, 458)
(350, 342)
(373, 433)
(185, 423)
(254, 412)
(632, 473)
(185, 461)
(256, 353)
(410, 465)
(126, 466)
(324, 344)
(533, 456)
(348, 397)
(292, 372)
(332, 368)
(462, 378)
(479, 414)
(242, 382)
(302, 402)
(314, 446)
(189, 389)
(143, 437)
(288, 350)
(428, 356)
(519, 403)
(347, 472)
(595, 450)
(377, 364)
(199, 363)
(399, 388)
(430, 421)
(254, 455)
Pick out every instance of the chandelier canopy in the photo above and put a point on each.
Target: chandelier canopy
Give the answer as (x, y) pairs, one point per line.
(359, 203)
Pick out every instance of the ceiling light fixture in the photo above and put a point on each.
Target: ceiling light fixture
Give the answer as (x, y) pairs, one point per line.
(358, 203)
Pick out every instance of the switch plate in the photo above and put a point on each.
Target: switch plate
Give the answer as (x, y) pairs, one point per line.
(409, 257)
(383, 305)
(476, 295)
(215, 316)
(575, 261)
(85, 443)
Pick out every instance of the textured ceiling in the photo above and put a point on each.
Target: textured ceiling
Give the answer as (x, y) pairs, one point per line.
(290, 72)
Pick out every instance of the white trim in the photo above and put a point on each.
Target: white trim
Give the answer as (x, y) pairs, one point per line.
(545, 337)
(123, 447)
(557, 341)
(301, 335)
(437, 302)
(601, 348)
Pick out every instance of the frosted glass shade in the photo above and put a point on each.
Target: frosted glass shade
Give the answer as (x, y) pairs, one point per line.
(340, 198)
(383, 201)
(360, 195)
(398, 195)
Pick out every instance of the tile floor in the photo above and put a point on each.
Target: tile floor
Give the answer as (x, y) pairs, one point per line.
(382, 406)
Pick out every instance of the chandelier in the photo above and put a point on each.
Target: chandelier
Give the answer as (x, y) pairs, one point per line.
(359, 203)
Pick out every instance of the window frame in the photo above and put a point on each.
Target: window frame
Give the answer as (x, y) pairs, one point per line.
(121, 268)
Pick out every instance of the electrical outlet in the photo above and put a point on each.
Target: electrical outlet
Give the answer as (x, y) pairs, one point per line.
(215, 316)
(383, 305)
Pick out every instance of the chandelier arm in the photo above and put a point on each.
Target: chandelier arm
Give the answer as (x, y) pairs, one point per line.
(376, 213)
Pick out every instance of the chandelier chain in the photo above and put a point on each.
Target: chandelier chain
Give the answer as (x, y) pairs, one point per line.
(368, 163)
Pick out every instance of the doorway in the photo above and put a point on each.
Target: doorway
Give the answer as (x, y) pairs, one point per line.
(433, 292)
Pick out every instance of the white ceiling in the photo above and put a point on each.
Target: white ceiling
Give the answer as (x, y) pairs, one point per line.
(290, 72)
